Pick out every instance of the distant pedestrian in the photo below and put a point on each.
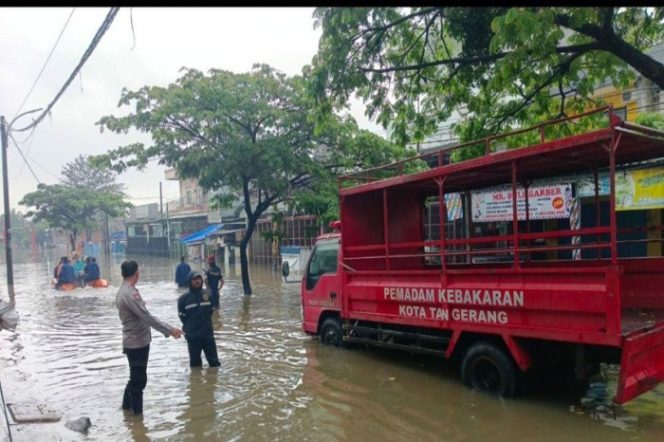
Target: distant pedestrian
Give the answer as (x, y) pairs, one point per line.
(181, 273)
(195, 309)
(136, 335)
(214, 281)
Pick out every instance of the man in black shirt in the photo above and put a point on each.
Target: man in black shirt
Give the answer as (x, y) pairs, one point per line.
(214, 280)
(195, 309)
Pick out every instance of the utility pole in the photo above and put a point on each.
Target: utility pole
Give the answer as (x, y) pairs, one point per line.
(5, 190)
(161, 202)
(168, 232)
(107, 238)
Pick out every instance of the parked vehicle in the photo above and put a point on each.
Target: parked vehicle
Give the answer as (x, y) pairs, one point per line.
(512, 278)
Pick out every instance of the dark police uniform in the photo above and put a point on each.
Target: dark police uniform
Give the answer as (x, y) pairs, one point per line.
(214, 276)
(195, 309)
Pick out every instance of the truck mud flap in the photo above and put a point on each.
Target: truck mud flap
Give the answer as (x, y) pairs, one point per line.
(642, 363)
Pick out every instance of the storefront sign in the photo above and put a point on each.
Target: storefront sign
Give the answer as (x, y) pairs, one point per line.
(544, 202)
(640, 189)
(453, 205)
(586, 185)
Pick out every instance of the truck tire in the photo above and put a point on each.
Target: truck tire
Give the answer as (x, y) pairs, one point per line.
(488, 368)
(331, 332)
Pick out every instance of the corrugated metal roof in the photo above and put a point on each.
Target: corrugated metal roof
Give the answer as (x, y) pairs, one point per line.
(200, 235)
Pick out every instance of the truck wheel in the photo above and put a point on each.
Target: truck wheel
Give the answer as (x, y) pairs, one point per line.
(330, 332)
(488, 368)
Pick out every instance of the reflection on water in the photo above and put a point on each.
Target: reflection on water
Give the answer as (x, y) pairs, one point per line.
(274, 383)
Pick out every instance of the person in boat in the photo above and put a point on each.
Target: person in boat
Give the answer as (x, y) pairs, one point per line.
(79, 266)
(66, 274)
(182, 273)
(91, 270)
(56, 270)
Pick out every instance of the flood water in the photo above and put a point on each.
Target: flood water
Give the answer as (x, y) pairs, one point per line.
(274, 383)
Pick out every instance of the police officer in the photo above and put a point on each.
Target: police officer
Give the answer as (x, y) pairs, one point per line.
(136, 336)
(214, 280)
(195, 309)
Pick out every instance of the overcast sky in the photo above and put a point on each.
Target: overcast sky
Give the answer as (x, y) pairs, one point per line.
(166, 39)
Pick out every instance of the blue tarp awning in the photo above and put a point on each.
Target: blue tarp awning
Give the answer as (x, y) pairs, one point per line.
(200, 235)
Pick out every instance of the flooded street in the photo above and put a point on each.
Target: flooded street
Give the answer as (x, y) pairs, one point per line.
(274, 383)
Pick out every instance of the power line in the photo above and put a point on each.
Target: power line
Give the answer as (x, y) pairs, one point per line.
(24, 159)
(65, 211)
(93, 44)
(45, 169)
(45, 63)
(31, 138)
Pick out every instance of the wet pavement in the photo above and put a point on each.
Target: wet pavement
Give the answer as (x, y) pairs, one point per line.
(274, 383)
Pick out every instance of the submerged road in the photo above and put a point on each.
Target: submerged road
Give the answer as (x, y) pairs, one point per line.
(274, 383)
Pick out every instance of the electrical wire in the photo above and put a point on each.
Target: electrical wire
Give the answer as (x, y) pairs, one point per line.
(93, 44)
(65, 211)
(24, 159)
(45, 63)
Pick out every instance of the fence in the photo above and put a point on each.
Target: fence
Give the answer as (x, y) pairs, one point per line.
(297, 231)
(154, 246)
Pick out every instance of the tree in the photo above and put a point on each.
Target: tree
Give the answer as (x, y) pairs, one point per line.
(69, 208)
(250, 132)
(22, 230)
(505, 66)
(357, 150)
(80, 173)
(72, 205)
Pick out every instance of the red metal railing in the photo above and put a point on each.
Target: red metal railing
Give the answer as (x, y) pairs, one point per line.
(398, 168)
(470, 246)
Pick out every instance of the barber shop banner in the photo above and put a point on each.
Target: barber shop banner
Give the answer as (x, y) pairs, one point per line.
(544, 202)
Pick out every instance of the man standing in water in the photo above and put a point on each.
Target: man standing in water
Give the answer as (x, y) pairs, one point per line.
(195, 309)
(136, 336)
(181, 273)
(214, 280)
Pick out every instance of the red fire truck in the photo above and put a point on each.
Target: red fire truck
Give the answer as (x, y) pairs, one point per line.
(507, 261)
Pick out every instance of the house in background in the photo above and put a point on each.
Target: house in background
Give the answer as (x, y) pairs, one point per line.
(640, 96)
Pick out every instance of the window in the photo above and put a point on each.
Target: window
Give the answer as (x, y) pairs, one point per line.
(323, 260)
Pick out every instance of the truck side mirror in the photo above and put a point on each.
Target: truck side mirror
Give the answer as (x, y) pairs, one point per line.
(285, 269)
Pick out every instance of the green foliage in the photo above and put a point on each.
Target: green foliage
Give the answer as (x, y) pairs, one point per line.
(22, 229)
(73, 205)
(80, 173)
(534, 135)
(70, 208)
(356, 150)
(505, 67)
(251, 133)
(654, 120)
